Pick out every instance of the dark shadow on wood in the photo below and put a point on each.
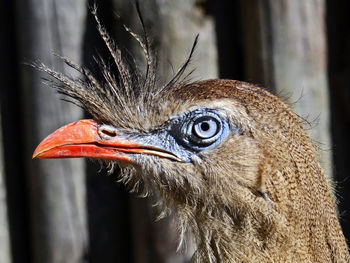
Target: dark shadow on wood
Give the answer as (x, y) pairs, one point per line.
(229, 38)
(13, 136)
(108, 211)
(338, 21)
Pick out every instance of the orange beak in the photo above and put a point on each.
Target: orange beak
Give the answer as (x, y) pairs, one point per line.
(82, 139)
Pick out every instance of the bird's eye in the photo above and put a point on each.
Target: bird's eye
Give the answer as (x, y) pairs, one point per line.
(199, 129)
(203, 129)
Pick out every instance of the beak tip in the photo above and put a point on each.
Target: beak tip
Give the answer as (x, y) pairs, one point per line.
(36, 154)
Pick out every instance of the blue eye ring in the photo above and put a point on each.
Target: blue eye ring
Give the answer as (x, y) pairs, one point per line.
(196, 132)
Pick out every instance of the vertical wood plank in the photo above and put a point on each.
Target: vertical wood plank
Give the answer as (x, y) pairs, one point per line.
(56, 187)
(285, 49)
(13, 172)
(5, 247)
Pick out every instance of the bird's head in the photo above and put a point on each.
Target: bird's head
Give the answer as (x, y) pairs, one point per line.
(189, 142)
(180, 138)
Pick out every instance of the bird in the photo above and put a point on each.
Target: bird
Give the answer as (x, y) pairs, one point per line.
(229, 159)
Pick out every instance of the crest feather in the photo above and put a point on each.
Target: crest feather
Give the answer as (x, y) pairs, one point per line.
(116, 98)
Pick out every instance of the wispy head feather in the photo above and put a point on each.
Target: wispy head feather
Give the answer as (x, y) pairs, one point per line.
(128, 91)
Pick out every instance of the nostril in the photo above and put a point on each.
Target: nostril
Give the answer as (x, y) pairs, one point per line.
(107, 131)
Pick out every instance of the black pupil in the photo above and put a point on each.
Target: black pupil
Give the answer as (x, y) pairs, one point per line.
(205, 126)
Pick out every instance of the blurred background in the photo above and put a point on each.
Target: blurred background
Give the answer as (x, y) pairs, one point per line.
(68, 210)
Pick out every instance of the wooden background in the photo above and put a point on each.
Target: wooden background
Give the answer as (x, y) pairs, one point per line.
(65, 210)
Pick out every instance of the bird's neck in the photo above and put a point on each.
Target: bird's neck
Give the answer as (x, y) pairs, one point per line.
(311, 224)
(225, 234)
(299, 228)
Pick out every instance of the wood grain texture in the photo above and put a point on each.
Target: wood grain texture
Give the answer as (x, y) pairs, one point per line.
(5, 246)
(56, 189)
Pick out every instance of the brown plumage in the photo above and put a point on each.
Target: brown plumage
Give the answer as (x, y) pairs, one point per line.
(231, 160)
